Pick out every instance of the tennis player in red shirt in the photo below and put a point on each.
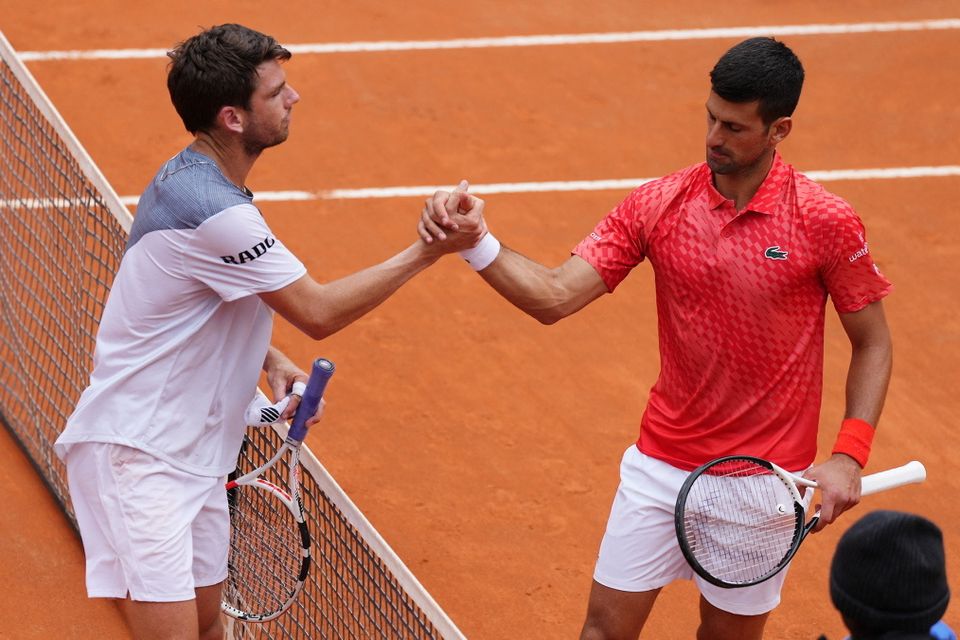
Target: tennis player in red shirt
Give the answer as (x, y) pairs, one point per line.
(745, 251)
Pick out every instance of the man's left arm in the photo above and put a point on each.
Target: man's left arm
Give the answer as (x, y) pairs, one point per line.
(867, 380)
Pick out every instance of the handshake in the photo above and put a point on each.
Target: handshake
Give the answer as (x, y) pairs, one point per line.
(453, 221)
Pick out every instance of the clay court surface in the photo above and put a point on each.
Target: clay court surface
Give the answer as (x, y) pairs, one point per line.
(482, 445)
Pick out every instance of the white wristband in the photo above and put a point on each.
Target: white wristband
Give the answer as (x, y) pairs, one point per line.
(486, 251)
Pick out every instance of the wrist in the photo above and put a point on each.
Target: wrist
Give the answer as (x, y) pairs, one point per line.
(419, 255)
(855, 440)
(486, 251)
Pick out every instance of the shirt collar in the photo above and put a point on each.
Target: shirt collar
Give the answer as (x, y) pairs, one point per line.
(768, 197)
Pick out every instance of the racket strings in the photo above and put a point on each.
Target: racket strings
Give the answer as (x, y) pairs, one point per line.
(266, 551)
(739, 522)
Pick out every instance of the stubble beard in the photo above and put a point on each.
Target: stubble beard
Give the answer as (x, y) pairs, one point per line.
(731, 166)
(724, 168)
(256, 145)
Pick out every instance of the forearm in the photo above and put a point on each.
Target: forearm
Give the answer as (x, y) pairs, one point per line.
(867, 381)
(273, 358)
(281, 372)
(547, 295)
(871, 359)
(351, 297)
(320, 310)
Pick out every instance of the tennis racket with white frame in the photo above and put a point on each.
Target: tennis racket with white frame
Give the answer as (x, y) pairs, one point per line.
(269, 556)
(741, 519)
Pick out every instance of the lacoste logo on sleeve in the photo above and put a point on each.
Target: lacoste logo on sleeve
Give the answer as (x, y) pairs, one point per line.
(252, 253)
(775, 253)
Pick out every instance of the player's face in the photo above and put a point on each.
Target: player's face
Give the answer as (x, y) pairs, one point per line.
(737, 138)
(268, 118)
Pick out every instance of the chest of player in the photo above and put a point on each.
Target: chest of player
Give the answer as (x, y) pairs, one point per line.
(701, 251)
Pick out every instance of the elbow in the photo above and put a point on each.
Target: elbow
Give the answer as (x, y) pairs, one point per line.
(547, 318)
(317, 330)
(551, 310)
(316, 334)
(320, 335)
(548, 315)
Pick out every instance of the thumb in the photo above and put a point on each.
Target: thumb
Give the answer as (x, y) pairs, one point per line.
(455, 199)
(466, 202)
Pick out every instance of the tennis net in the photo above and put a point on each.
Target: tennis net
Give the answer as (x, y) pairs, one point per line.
(62, 235)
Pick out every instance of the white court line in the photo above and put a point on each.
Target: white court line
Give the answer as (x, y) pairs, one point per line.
(575, 185)
(537, 41)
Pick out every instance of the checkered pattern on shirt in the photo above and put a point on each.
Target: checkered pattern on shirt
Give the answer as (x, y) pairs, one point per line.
(741, 301)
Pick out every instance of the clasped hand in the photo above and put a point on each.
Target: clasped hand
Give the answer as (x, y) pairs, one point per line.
(452, 220)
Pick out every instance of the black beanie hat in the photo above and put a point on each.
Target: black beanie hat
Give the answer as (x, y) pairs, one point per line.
(888, 573)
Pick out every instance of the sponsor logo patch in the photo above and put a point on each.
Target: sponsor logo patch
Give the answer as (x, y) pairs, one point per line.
(252, 253)
(859, 253)
(775, 253)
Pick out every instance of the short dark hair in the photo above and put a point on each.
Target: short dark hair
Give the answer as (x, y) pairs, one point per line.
(760, 69)
(217, 68)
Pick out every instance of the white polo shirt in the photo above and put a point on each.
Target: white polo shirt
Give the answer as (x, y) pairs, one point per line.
(183, 335)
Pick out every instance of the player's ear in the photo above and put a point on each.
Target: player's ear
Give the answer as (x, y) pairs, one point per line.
(780, 129)
(231, 119)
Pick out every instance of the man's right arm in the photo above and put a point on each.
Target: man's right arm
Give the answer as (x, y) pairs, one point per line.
(547, 295)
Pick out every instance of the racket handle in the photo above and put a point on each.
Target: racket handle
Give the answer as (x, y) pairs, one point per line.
(322, 370)
(891, 478)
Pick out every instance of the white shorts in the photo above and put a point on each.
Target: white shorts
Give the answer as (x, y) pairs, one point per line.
(149, 530)
(639, 551)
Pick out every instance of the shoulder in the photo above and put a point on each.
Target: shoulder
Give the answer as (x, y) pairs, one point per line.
(660, 192)
(692, 177)
(195, 183)
(820, 208)
(188, 190)
(813, 198)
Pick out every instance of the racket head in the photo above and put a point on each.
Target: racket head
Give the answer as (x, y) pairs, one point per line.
(739, 520)
(269, 557)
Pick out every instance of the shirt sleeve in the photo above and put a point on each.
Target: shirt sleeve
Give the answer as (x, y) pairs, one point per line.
(236, 255)
(618, 243)
(849, 273)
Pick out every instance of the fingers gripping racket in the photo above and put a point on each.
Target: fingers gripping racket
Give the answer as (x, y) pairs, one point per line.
(269, 554)
(740, 519)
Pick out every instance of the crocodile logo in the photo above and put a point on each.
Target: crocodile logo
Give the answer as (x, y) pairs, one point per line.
(775, 253)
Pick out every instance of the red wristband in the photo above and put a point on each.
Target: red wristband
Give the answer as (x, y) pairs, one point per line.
(854, 440)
